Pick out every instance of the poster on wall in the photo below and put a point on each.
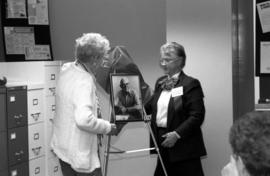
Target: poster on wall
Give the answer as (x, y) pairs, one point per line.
(38, 52)
(16, 9)
(38, 12)
(265, 55)
(264, 15)
(17, 38)
(25, 30)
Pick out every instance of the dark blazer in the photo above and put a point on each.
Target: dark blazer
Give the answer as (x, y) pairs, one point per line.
(185, 116)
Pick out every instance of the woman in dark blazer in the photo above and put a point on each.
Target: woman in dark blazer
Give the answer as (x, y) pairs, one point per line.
(178, 111)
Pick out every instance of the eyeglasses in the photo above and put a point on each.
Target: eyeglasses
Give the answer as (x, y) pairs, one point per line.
(165, 61)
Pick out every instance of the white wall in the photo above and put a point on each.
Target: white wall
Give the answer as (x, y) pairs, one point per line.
(204, 29)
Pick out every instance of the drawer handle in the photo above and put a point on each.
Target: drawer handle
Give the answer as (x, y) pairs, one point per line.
(12, 99)
(52, 89)
(36, 136)
(35, 101)
(37, 170)
(55, 169)
(36, 150)
(35, 116)
(19, 155)
(52, 76)
(53, 108)
(14, 173)
(18, 118)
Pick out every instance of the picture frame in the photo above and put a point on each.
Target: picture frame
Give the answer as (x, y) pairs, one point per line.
(126, 98)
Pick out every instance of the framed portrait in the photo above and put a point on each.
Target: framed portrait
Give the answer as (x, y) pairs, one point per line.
(126, 98)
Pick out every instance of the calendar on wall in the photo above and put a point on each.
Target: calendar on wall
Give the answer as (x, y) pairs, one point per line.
(25, 30)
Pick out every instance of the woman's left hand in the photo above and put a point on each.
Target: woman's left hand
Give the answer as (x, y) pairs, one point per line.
(170, 140)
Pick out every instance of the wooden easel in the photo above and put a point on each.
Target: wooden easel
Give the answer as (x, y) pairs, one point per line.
(108, 146)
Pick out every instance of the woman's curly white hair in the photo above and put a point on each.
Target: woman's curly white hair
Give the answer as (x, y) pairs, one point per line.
(91, 45)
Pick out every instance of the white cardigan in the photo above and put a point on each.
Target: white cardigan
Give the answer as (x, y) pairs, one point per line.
(75, 126)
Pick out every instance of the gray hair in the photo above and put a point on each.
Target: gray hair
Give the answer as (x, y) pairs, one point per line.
(176, 48)
(91, 45)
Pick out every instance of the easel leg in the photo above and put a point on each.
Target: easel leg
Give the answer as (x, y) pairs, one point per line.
(107, 152)
(157, 149)
(106, 160)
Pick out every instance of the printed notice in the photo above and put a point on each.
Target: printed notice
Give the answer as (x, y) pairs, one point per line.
(38, 12)
(17, 38)
(264, 15)
(38, 52)
(16, 9)
(265, 57)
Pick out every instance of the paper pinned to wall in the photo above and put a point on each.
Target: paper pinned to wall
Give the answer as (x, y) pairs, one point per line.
(16, 9)
(38, 12)
(17, 38)
(264, 15)
(37, 52)
(265, 55)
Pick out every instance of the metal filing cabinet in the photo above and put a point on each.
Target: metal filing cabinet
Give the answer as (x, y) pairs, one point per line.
(51, 77)
(45, 73)
(36, 139)
(3, 133)
(17, 130)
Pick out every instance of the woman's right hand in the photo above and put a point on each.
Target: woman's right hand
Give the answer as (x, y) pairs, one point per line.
(114, 130)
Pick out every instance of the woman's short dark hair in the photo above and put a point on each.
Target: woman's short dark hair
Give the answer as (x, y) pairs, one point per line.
(250, 139)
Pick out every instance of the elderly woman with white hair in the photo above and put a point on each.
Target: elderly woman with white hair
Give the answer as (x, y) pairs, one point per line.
(77, 122)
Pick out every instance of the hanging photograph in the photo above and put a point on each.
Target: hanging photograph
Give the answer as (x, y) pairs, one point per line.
(126, 98)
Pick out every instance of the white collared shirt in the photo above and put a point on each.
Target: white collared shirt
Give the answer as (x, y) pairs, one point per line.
(162, 106)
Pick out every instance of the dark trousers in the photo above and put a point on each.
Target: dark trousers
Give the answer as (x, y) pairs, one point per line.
(68, 171)
(192, 167)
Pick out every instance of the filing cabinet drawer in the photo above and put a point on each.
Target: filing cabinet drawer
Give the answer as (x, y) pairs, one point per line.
(3, 125)
(51, 77)
(51, 74)
(16, 107)
(37, 167)
(54, 167)
(36, 140)
(35, 106)
(50, 107)
(19, 169)
(3, 151)
(50, 89)
(17, 145)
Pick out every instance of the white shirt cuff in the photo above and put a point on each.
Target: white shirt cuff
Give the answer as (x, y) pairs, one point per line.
(177, 135)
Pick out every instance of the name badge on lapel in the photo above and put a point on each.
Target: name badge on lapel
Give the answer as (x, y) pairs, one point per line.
(178, 91)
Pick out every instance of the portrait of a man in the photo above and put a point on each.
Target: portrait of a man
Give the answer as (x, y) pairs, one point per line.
(126, 97)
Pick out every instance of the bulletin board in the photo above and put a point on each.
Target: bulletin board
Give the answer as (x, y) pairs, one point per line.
(25, 30)
(262, 37)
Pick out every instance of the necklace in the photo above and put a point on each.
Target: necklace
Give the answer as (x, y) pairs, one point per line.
(82, 65)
